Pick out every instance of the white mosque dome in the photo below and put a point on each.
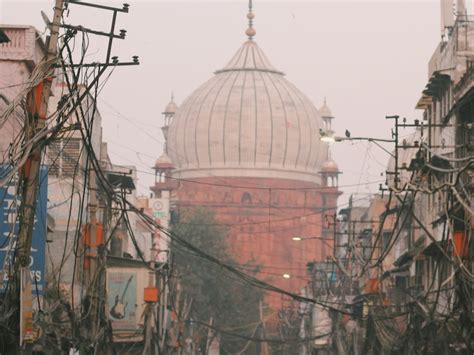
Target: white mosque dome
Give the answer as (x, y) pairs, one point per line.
(247, 120)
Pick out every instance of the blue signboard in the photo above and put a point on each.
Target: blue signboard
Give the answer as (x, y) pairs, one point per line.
(9, 225)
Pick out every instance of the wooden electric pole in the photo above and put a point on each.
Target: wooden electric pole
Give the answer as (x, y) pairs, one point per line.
(37, 103)
(38, 108)
(92, 272)
(264, 345)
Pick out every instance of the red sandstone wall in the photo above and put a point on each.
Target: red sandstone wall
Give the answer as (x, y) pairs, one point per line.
(263, 221)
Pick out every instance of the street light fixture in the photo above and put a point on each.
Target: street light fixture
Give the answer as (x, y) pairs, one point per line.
(286, 276)
(297, 238)
(329, 137)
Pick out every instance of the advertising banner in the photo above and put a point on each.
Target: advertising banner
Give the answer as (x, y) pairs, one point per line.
(122, 299)
(160, 208)
(9, 224)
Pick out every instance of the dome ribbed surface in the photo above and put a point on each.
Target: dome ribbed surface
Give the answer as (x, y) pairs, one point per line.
(247, 120)
(249, 57)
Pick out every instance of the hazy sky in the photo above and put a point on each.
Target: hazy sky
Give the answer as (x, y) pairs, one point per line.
(368, 58)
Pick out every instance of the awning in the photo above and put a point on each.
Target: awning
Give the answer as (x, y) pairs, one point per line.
(51, 224)
(121, 181)
(3, 37)
(399, 207)
(455, 208)
(424, 102)
(436, 86)
(433, 249)
(402, 269)
(410, 254)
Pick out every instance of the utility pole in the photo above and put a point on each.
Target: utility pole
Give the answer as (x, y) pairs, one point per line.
(151, 299)
(264, 345)
(38, 108)
(94, 263)
(37, 102)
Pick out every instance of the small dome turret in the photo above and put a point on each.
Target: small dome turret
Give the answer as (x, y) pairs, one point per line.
(327, 116)
(171, 108)
(325, 111)
(164, 162)
(163, 175)
(329, 166)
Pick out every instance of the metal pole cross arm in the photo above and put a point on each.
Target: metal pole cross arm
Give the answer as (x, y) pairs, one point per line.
(370, 139)
(97, 6)
(95, 32)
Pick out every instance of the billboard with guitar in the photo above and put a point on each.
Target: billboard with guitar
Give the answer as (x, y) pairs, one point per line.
(122, 300)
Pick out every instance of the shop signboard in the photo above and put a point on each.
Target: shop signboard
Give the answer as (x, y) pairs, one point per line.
(10, 203)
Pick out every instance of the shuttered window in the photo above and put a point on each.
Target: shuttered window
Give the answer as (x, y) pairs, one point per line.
(63, 156)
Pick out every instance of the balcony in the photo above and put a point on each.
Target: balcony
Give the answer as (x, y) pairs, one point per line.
(25, 45)
(166, 185)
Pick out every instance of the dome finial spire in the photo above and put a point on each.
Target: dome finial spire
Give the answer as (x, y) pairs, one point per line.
(250, 16)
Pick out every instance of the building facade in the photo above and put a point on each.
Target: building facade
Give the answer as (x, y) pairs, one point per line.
(415, 287)
(246, 145)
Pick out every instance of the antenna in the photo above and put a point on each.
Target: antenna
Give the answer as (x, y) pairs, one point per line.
(461, 10)
(447, 16)
(46, 20)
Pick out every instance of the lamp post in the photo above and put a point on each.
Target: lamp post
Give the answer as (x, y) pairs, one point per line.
(299, 239)
(328, 136)
(324, 240)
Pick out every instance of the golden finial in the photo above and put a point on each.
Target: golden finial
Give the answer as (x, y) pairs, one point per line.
(250, 31)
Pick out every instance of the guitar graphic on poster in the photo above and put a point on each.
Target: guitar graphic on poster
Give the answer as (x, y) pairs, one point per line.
(119, 309)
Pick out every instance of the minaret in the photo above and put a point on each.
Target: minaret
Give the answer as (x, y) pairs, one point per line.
(329, 183)
(329, 169)
(164, 166)
(168, 113)
(327, 117)
(330, 173)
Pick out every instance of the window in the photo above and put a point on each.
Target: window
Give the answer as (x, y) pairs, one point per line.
(386, 240)
(246, 198)
(419, 273)
(63, 156)
(70, 156)
(401, 282)
(53, 158)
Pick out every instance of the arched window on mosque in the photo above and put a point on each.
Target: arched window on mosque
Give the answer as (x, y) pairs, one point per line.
(246, 199)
